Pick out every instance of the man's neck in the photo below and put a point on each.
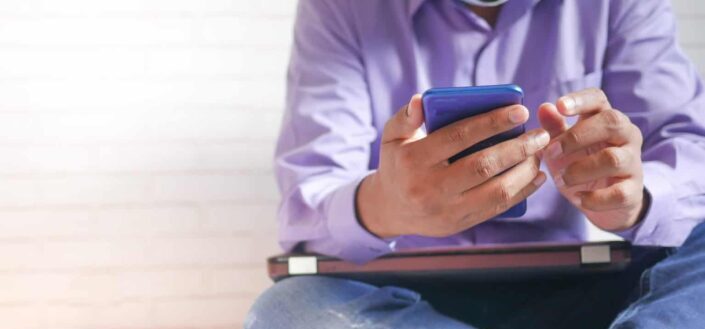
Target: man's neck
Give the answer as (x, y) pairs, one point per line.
(489, 14)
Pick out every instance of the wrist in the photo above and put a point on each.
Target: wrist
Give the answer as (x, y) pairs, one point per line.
(368, 207)
(640, 213)
(645, 205)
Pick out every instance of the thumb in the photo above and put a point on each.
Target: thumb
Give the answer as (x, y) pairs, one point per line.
(552, 120)
(405, 124)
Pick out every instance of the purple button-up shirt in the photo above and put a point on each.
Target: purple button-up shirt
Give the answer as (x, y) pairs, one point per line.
(355, 63)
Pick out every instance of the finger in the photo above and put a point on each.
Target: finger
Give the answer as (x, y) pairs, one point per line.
(405, 123)
(607, 163)
(610, 126)
(564, 161)
(552, 120)
(456, 137)
(502, 192)
(622, 194)
(477, 168)
(584, 102)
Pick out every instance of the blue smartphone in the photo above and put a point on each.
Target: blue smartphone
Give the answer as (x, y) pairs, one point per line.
(443, 106)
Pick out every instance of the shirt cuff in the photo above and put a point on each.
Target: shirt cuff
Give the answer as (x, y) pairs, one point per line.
(651, 231)
(355, 243)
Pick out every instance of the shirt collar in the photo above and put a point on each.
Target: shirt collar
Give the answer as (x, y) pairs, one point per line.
(414, 5)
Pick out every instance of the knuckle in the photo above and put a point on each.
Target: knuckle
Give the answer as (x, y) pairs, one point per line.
(569, 176)
(620, 195)
(613, 158)
(600, 95)
(484, 166)
(526, 148)
(623, 119)
(592, 90)
(499, 208)
(503, 194)
(573, 137)
(494, 122)
(588, 204)
(457, 134)
(535, 166)
(638, 134)
(614, 119)
(595, 96)
(402, 110)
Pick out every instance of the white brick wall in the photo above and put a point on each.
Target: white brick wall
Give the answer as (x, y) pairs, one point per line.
(136, 142)
(136, 147)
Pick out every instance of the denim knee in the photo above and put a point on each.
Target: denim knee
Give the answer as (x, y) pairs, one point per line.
(698, 234)
(695, 242)
(290, 302)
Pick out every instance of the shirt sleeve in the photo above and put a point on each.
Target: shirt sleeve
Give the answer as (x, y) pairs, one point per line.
(648, 77)
(324, 146)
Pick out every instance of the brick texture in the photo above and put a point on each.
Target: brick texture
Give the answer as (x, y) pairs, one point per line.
(137, 136)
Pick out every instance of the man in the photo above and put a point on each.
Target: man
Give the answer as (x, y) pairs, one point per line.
(624, 146)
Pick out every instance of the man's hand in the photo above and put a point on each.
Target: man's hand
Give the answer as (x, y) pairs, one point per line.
(596, 164)
(417, 191)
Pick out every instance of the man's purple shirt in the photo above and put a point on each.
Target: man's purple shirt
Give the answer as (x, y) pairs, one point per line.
(355, 63)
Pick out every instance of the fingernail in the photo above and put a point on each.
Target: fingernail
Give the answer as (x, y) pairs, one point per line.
(539, 180)
(558, 179)
(542, 139)
(569, 103)
(518, 115)
(408, 110)
(554, 150)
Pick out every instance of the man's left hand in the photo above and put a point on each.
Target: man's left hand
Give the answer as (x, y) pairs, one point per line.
(596, 163)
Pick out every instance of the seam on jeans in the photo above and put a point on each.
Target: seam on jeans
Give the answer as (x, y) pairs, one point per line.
(355, 322)
(671, 251)
(645, 283)
(633, 309)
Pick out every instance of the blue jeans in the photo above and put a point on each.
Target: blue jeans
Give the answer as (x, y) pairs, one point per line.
(662, 288)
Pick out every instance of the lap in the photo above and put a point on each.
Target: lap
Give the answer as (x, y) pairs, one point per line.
(674, 296)
(591, 301)
(320, 302)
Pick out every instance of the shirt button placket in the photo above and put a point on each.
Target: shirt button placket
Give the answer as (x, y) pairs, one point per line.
(485, 65)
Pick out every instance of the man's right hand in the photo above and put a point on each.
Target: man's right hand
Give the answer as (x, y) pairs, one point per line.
(417, 191)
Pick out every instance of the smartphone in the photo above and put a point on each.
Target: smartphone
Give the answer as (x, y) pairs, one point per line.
(443, 106)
